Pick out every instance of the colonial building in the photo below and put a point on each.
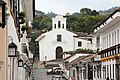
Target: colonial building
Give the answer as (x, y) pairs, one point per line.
(107, 40)
(3, 40)
(13, 16)
(20, 15)
(59, 40)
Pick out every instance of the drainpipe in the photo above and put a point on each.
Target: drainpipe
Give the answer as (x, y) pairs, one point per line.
(13, 69)
(7, 15)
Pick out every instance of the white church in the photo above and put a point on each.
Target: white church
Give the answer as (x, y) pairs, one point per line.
(59, 40)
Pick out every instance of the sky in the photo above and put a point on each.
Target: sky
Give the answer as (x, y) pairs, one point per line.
(70, 6)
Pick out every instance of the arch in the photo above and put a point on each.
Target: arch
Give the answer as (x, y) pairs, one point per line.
(59, 50)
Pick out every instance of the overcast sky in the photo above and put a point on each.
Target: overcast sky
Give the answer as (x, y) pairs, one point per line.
(70, 6)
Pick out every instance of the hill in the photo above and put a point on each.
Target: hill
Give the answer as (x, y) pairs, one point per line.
(109, 11)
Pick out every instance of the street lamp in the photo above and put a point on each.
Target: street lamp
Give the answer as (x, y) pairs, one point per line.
(20, 63)
(2, 13)
(12, 50)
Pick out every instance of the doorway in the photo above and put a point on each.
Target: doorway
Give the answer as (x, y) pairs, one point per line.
(59, 50)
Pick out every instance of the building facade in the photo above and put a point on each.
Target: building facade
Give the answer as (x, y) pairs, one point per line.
(58, 40)
(3, 41)
(14, 14)
(107, 40)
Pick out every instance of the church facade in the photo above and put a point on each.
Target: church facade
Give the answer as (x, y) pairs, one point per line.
(58, 40)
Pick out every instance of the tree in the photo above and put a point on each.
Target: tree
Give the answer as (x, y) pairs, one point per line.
(72, 23)
(85, 11)
(42, 23)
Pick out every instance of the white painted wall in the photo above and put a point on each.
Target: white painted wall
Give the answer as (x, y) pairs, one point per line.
(112, 27)
(85, 43)
(49, 43)
(12, 31)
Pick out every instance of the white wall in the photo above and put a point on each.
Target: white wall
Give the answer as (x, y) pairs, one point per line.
(111, 31)
(12, 32)
(84, 43)
(49, 43)
(112, 27)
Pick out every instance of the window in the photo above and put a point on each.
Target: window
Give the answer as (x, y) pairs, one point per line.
(24, 48)
(54, 25)
(118, 36)
(98, 41)
(59, 38)
(109, 40)
(63, 26)
(117, 50)
(58, 24)
(115, 38)
(15, 7)
(105, 42)
(112, 39)
(79, 44)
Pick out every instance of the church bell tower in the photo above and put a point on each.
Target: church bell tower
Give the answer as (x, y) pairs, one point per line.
(59, 22)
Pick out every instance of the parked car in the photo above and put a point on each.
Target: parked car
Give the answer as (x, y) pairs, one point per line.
(59, 77)
(58, 70)
(50, 71)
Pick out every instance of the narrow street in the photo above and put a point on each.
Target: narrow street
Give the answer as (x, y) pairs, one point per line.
(40, 74)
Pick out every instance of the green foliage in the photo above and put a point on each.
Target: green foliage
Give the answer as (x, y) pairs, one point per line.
(42, 23)
(80, 50)
(89, 51)
(86, 21)
(34, 47)
(87, 11)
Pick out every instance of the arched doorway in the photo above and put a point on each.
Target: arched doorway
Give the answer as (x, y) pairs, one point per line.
(59, 50)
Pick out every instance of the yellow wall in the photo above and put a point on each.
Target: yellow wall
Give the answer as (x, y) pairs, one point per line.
(3, 52)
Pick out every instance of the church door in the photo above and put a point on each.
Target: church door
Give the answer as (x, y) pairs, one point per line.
(59, 50)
